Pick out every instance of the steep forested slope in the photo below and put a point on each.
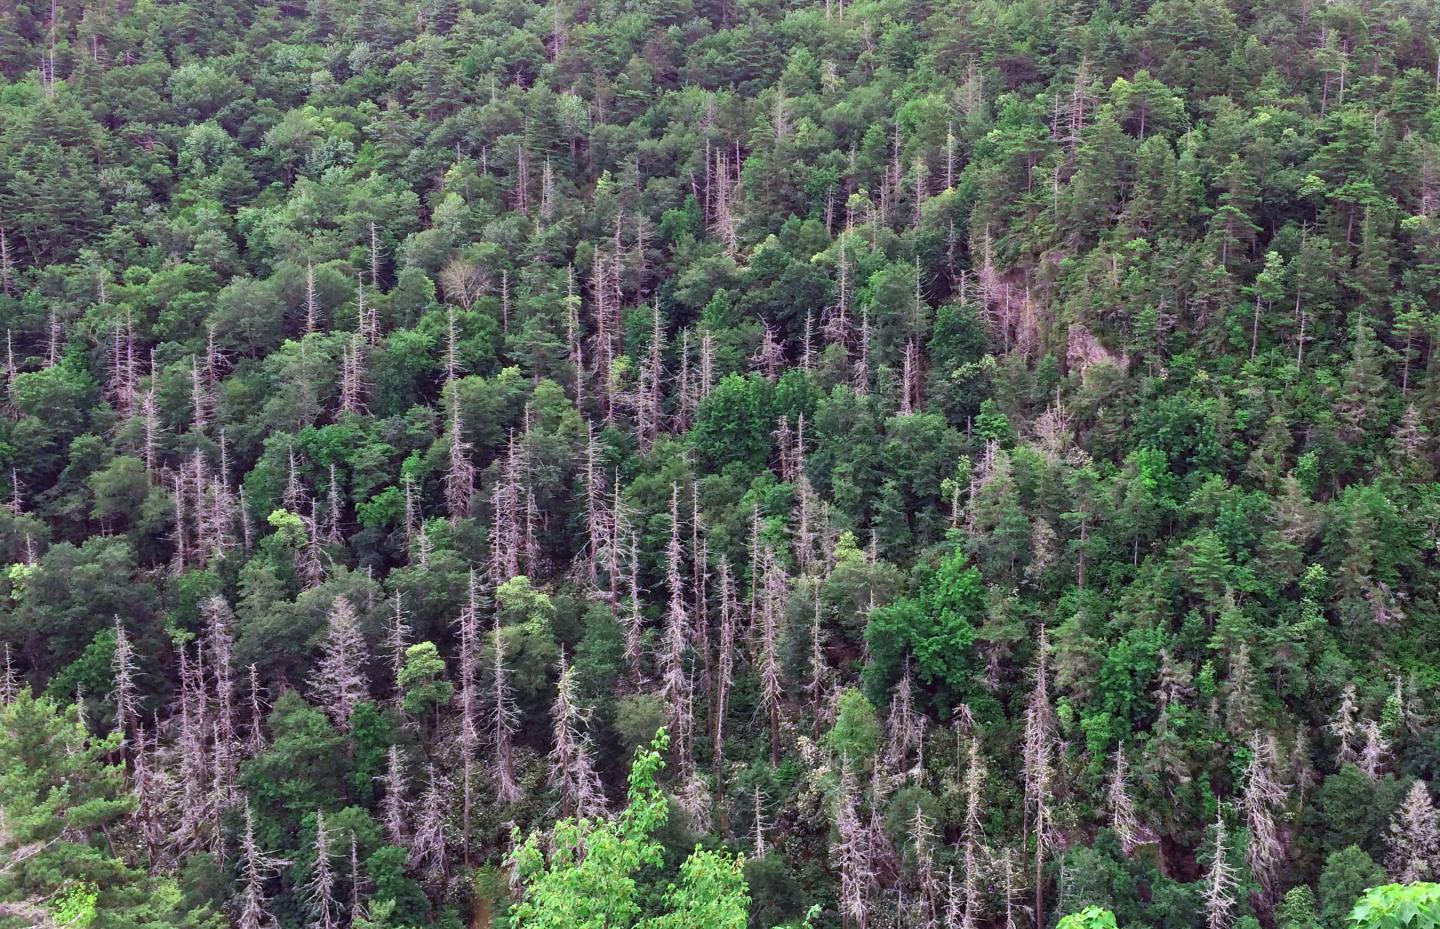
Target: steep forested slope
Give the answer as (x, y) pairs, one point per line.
(996, 439)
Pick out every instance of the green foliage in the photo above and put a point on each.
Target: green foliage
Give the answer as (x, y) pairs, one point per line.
(1297, 910)
(1092, 917)
(565, 888)
(400, 898)
(944, 324)
(302, 770)
(934, 629)
(856, 734)
(1346, 876)
(60, 799)
(422, 680)
(733, 424)
(77, 906)
(1392, 906)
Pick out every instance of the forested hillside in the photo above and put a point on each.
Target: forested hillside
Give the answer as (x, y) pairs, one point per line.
(995, 440)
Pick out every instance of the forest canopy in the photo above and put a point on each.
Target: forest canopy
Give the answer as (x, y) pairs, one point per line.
(992, 442)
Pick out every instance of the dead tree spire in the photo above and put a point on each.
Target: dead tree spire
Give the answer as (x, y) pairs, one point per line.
(220, 639)
(394, 805)
(312, 300)
(772, 692)
(725, 673)
(467, 697)
(256, 869)
(397, 640)
(759, 826)
(1039, 747)
(6, 283)
(1124, 821)
(319, 891)
(340, 682)
(1219, 891)
(9, 683)
(927, 880)
(123, 663)
(255, 739)
(1415, 837)
(1377, 749)
(852, 852)
(430, 846)
(1263, 797)
(504, 721)
(460, 476)
(572, 768)
(1344, 727)
(673, 682)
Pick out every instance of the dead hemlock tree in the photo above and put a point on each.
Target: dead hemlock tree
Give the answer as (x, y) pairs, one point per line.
(412, 513)
(255, 740)
(468, 702)
(572, 768)
(504, 722)
(295, 499)
(575, 348)
(1039, 749)
(510, 530)
(1263, 797)
(397, 640)
(357, 883)
(769, 358)
(256, 868)
(860, 374)
(729, 629)
(692, 795)
(852, 854)
(773, 596)
(319, 891)
(1415, 837)
(394, 805)
(189, 794)
(1377, 749)
(1220, 884)
(460, 474)
(634, 619)
(222, 794)
(1410, 719)
(597, 516)
(6, 283)
(225, 745)
(309, 558)
(218, 622)
(817, 687)
(974, 836)
(124, 375)
(1124, 821)
(677, 683)
(429, 849)
(312, 300)
(339, 682)
(673, 679)
(836, 327)
(648, 395)
(1344, 728)
(147, 786)
(352, 376)
(904, 735)
(9, 683)
(125, 695)
(12, 371)
(927, 881)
